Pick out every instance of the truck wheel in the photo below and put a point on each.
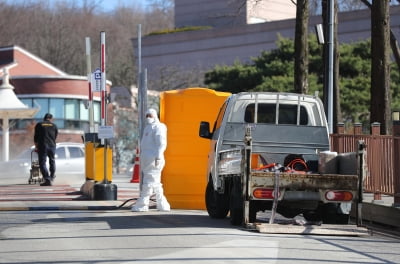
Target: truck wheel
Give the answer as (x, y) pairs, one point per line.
(342, 219)
(217, 204)
(313, 216)
(331, 215)
(237, 205)
(253, 212)
(236, 202)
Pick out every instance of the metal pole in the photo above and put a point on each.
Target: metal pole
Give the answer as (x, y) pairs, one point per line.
(143, 88)
(103, 96)
(139, 51)
(6, 138)
(276, 195)
(140, 100)
(89, 76)
(142, 118)
(103, 77)
(139, 76)
(361, 158)
(330, 65)
(247, 171)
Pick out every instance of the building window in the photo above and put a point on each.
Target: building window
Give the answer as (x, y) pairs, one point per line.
(83, 111)
(43, 104)
(71, 113)
(57, 109)
(68, 113)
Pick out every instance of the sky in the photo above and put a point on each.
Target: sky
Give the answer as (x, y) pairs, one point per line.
(109, 5)
(106, 5)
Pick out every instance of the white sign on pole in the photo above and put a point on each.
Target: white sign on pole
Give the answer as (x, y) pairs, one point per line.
(106, 132)
(96, 80)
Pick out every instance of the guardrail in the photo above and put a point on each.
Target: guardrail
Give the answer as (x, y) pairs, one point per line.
(383, 157)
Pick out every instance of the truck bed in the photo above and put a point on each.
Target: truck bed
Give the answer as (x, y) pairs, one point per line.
(297, 181)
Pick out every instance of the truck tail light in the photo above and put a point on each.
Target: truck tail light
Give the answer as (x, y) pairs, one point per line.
(263, 193)
(338, 196)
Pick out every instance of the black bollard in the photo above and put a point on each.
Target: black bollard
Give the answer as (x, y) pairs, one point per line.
(105, 191)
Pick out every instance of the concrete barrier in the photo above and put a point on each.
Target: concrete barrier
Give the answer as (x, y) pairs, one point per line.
(382, 214)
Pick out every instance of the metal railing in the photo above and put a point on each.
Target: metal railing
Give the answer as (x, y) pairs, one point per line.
(383, 158)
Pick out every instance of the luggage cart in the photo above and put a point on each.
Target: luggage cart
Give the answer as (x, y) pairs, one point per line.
(35, 175)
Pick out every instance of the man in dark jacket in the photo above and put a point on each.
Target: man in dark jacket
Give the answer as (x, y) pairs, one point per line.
(45, 142)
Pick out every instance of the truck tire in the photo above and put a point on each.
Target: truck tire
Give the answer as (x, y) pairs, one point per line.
(217, 204)
(236, 202)
(312, 216)
(237, 205)
(331, 215)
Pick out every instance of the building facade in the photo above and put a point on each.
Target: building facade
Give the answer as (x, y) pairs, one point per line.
(40, 85)
(230, 13)
(233, 40)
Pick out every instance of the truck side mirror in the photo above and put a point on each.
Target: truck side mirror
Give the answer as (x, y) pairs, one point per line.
(204, 130)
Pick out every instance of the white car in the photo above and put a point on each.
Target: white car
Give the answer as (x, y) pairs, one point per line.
(70, 159)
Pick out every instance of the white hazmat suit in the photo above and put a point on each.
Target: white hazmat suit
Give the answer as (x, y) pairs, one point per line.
(152, 147)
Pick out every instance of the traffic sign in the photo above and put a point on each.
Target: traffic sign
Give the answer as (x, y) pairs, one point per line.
(96, 80)
(106, 132)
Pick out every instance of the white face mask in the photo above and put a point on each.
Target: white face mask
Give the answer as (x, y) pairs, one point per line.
(150, 120)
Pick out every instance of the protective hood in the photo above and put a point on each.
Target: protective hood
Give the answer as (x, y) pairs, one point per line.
(153, 112)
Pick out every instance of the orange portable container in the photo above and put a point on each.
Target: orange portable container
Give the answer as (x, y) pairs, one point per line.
(184, 174)
(94, 163)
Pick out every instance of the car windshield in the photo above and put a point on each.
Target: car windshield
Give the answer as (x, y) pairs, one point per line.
(75, 152)
(60, 153)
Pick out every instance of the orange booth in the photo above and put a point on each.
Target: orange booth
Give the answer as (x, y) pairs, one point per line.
(184, 175)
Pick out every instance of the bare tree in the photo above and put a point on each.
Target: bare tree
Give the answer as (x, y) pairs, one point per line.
(380, 65)
(393, 40)
(350, 5)
(316, 6)
(57, 33)
(173, 77)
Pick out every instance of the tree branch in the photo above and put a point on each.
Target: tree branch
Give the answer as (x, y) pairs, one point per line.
(393, 41)
(368, 4)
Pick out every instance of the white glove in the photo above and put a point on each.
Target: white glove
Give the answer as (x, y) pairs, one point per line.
(157, 163)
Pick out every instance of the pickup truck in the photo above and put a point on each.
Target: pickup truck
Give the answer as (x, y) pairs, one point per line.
(271, 151)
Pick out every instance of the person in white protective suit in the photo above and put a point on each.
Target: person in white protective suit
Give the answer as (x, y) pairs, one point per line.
(152, 147)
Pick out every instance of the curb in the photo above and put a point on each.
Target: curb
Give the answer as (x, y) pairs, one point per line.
(379, 214)
(382, 214)
(68, 206)
(62, 208)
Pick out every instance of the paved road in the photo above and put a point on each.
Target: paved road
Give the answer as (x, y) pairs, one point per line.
(53, 225)
(179, 236)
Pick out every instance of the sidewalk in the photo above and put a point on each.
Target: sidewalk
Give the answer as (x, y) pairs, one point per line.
(386, 200)
(64, 196)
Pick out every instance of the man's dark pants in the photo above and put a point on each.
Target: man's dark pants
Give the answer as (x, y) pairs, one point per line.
(45, 152)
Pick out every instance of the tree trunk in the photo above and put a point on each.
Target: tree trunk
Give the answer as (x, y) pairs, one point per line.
(395, 48)
(301, 48)
(393, 40)
(337, 110)
(380, 65)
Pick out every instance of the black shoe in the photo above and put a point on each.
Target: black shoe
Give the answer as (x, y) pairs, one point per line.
(46, 183)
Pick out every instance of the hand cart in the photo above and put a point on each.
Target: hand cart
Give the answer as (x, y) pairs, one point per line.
(35, 175)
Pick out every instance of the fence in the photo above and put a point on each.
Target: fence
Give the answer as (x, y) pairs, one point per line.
(383, 157)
